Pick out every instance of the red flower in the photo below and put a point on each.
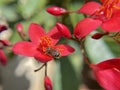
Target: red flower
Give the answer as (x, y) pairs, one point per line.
(57, 11)
(47, 83)
(108, 74)
(42, 46)
(106, 15)
(64, 30)
(3, 58)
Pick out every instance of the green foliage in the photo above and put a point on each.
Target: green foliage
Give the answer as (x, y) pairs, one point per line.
(29, 7)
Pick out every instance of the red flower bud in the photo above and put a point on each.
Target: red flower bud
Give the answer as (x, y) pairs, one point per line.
(64, 30)
(19, 27)
(5, 42)
(3, 58)
(54, 10)
(47, 83)
(97, 36)
(3, 28)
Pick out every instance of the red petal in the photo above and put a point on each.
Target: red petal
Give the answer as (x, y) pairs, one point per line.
(107, 64)
(64, 30)
(42, 57)
(108, 73)
(64, 49)
(35, 32)
(85, 26)
(3, 58)
(24, 48)
(55, 35)
(89, 8)
(109, 79)
(112, 25)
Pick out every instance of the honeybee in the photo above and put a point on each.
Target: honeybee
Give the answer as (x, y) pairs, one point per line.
(53, 52)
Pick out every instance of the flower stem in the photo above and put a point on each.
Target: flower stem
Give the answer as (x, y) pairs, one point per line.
(85, 57)
(40, 67)
(82, 48)
(22, 35)
(116, 37)
(45, 69)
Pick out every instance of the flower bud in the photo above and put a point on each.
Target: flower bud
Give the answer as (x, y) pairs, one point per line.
(97, 36)
(64, 30)
(20, 31)
(56, 11)
(5, 42)
(3, 28)
(47, 83)
(3, 58)
(19, 27)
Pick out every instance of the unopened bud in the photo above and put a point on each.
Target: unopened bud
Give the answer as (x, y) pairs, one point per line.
(64, 30)
(57, 11)
(97, 36)
(19, 27)
(20, 31)
(3, 58)
(47, 83)
(4, 43)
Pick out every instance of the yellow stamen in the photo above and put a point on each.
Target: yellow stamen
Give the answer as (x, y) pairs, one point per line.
(116, 7)
(108, 7)
(45, 41)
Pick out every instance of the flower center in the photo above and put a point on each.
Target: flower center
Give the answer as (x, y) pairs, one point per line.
(107, 9)
(45, 42)
(45, 45)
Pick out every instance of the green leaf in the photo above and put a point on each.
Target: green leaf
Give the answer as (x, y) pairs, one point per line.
(98, 50)
(69, 78)
(3, 2)
(29, 8)
(75, 17)
(9, 13)
(15, 37)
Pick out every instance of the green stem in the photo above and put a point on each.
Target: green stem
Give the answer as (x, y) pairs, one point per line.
(84, 54)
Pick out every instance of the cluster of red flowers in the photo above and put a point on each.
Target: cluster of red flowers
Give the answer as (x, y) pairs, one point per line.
(44, 46)
(107, 16)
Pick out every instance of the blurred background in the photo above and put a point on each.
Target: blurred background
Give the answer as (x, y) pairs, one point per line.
(69, 73)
